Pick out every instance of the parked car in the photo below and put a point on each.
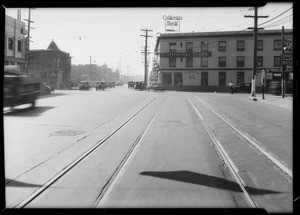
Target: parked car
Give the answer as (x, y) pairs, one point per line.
(84, 85)
(242, 88)
(131, 84)
(139, 85)
(46, 89)
(101, 85)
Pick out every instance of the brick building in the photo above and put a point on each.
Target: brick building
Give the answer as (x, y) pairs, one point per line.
(208, 61)
(14, 41)
(52, 65)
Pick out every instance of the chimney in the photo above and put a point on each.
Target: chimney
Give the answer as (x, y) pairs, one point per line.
(19, 15)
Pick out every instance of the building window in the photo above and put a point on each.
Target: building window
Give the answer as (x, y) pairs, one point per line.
(189, 62)
(240, 45)
(49, 62)
(222, 78)
(277, 60)
(172, 62)
(19, 45)
(260, 61)
(240, 77)
(204, 62)
(260, 45)
(277, 45)
(177, 78)
(222, 46)
(222, 61)
(172, 47)
(204, 46)
(166, 78)
(10, 43)
(204, 78)
(189, 47)
(240, 61)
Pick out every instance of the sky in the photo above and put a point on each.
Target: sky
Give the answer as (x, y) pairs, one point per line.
(113, 35)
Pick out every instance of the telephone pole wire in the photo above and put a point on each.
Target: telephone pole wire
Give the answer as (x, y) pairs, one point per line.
(146, 52)
(255, 50)
(27, 41)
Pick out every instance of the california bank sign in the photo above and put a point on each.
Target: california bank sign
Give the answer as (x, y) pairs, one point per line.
(170, 17)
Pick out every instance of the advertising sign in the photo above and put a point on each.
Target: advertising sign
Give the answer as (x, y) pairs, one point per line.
(186, 54)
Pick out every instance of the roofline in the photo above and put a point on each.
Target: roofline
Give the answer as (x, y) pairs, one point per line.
(219, 34)
(38, 50)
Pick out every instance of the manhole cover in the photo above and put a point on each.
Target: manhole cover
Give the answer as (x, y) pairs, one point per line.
(66, 133)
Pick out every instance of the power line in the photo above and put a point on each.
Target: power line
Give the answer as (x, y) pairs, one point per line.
(275, 17)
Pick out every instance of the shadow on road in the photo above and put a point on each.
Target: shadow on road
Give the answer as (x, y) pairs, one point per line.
(12, 183)
(206, 180)
(27, 112)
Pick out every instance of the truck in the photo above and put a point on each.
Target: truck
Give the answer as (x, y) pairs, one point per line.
(19, 89)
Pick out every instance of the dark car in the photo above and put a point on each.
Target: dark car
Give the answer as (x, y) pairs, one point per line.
(101, 85)
(84, 85)
(46, 89)
(139, 85)
(131, 84)
(242, 88)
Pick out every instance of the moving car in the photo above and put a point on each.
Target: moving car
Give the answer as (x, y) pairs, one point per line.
(131, 84)
(19, 89)
(139, 85)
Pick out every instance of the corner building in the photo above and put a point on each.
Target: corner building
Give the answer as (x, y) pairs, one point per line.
(208, 61)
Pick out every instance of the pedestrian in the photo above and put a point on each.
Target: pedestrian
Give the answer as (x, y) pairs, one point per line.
(230, 87)
(52, 88)
(179, 85)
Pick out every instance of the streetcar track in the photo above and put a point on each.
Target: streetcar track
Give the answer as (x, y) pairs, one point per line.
(258, 146)
(224, 156)
(108, 189)
(66, 169)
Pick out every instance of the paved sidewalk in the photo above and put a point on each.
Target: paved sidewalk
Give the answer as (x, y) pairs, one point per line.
(286, 102)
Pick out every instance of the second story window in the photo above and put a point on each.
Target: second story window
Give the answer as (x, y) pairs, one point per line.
(204, 46)
(277, 61)
(240, 61)
(240, 45)
(260, 45)
(189, 47)
(260, 61)
(172, 62)
(222, 61)
(19, 45)
(10, 43)
(277, 45)
(172, 47)
(222, 46)
(204, 62)
(189, 62)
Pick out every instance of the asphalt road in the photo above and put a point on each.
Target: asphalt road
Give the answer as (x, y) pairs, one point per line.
(174, 165)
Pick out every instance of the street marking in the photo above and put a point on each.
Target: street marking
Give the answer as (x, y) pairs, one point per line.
(112, 184)
(254, 142)
(35, 194)
(225, 157)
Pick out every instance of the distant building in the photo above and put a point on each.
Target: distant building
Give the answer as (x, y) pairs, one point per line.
(208, 61)
(52, 65)
(14, 41)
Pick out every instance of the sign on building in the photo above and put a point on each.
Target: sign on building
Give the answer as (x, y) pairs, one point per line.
(172, 23)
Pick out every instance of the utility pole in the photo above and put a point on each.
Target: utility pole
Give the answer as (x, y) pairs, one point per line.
(255, 50)
(27, 42)
(146, 52)
(91, 69)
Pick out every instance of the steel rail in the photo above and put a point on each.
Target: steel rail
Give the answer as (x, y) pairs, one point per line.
(255, 143)
(117, 175)
(221, 151)
(35, 194)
